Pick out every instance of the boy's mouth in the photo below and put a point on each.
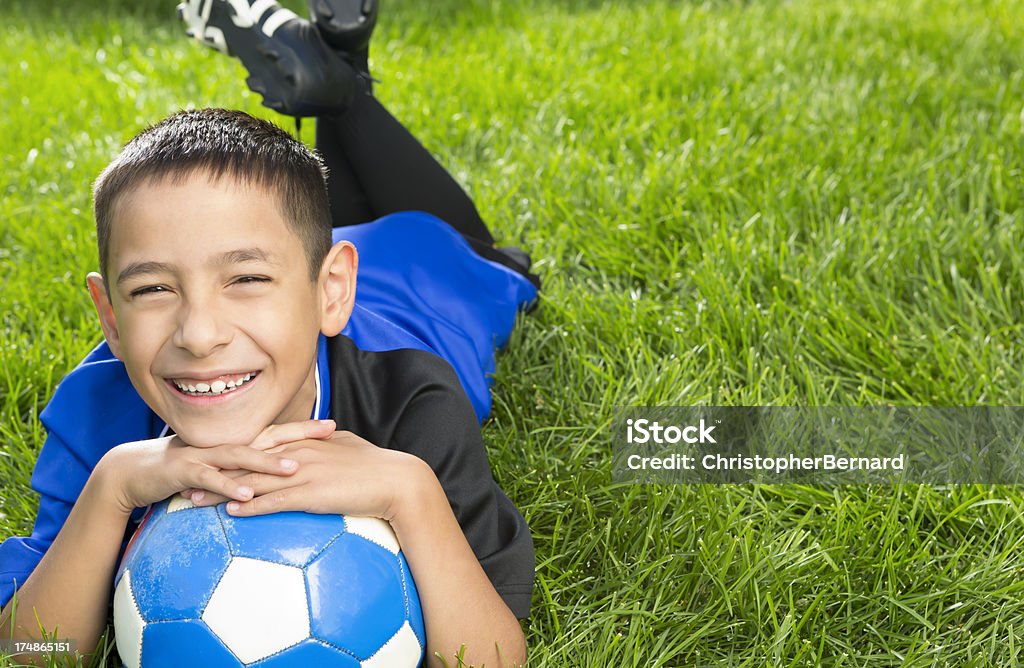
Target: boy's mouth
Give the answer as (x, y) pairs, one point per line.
(212, 387)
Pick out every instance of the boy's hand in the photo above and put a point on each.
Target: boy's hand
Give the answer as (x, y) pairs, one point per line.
(272, 436)
(343, 474)
(144, 472)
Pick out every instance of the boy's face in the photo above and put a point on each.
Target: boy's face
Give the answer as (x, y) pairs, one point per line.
(208, 284)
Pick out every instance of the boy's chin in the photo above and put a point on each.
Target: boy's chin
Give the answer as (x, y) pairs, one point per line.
(210, 438)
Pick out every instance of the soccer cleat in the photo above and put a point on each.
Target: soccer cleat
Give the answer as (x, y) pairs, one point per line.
(345, 24)
(289, 63)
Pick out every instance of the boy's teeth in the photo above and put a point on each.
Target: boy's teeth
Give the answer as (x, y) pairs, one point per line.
(216, 387)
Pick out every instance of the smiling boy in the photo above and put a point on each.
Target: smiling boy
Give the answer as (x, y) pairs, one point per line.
(239, 365)
(208, 283)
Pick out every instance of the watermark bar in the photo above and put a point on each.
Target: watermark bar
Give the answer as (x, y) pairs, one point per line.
(821, 445)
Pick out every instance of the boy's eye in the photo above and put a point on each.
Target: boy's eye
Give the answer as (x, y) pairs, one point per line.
(151, 289)
(253, 279)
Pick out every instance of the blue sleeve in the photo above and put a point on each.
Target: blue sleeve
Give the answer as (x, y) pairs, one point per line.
(19, 556)
(93, 409)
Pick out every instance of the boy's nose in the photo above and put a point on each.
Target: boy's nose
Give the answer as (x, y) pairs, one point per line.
(201, 330)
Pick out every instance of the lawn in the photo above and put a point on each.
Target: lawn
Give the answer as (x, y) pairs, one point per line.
(730, 203)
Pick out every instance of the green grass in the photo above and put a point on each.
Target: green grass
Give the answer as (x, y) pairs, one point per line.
(801, 203)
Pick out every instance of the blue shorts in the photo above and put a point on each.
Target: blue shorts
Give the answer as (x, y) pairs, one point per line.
(421, 285)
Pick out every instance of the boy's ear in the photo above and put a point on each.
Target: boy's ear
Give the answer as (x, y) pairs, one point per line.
(338, 287)
(105, 311)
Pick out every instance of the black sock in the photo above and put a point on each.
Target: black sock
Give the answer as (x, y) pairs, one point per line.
(395, 171)
(349, 205)
(377, 167)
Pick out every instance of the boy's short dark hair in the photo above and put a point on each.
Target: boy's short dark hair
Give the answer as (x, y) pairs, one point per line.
(222, 142)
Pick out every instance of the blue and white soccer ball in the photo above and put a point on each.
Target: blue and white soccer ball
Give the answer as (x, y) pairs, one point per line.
(199, 587)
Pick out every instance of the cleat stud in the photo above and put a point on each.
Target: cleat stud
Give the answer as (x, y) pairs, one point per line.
(323, 9)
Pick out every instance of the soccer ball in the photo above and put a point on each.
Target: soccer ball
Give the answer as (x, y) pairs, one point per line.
(199, 587)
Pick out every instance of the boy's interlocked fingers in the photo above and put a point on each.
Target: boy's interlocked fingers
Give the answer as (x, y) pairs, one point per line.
(273, 436)
(143, 472)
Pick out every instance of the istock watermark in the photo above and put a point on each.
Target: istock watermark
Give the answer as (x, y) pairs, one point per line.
(646, 431)
(822, 445)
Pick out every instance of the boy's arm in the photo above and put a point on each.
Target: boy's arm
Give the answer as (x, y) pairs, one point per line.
(453, 521)
(68, 593)
(463, 538)
(460, 605)
(69, 589)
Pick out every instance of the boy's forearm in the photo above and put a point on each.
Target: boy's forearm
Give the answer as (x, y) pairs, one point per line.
(69, 590)
(460, 605)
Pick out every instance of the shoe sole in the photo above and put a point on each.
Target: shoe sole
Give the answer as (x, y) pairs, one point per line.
(345, 24)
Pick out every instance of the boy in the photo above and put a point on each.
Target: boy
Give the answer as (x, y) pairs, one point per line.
(238, 363)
